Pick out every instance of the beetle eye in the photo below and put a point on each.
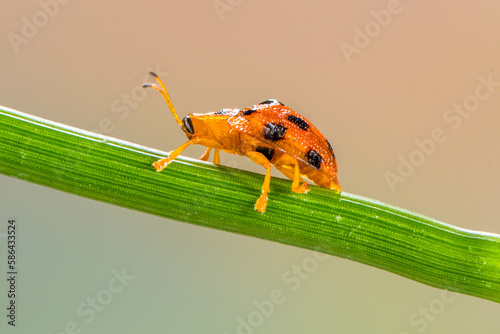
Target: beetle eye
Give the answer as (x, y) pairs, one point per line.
(188, 124)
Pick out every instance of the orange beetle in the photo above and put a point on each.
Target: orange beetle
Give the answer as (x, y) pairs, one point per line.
(268, 133)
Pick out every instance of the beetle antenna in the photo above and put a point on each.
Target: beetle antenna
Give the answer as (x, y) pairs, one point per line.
(163, 91)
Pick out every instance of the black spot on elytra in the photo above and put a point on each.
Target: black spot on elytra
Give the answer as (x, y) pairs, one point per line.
(272, 101)
(268, 152)
(223, 111)
(299, 122)
(274, 131)
(248, 112)
(330, 147)
(314, 159)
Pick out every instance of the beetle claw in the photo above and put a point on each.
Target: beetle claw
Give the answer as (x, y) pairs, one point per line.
(160, 164)
(261, 203)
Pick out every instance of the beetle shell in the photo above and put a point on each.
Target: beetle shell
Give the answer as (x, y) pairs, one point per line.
(271, 126)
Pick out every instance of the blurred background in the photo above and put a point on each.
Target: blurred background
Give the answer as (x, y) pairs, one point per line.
(407, 92)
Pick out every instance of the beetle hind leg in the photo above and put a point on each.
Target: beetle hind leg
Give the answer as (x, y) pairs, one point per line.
(296, 186)
(290, 167)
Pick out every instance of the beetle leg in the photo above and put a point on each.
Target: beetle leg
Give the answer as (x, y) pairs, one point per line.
(206, 155)
(216, 157)
(260, 159)
(304, 187)
(162, 163)
(290, 167)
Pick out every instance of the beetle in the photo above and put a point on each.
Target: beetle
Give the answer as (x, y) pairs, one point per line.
(269, 133)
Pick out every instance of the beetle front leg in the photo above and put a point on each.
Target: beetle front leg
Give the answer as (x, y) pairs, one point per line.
(162, 163)
(216, 157)
(206, 154)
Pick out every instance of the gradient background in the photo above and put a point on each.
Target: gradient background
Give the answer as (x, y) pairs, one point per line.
(89, 55)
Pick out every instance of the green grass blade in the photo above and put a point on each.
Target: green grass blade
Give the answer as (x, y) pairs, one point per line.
(345, 225)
